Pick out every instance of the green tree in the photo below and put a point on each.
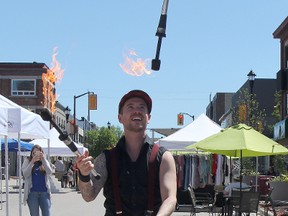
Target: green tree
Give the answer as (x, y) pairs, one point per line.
(102, 138)
(247, 111)
(278, 161)
(277, 107)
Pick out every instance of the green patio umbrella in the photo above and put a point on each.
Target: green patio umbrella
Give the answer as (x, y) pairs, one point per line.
(240, 141)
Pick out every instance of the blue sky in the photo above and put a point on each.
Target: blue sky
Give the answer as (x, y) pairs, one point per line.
(210, 47)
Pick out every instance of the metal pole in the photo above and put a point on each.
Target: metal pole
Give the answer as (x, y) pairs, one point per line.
(74, 118)
(88, 117)
(1, 175)
(74, 115)
(192, 116)
(19, 175)
(7, 175)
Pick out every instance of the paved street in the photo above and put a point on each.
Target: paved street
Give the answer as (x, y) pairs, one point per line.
(67, 203)
(64, 202)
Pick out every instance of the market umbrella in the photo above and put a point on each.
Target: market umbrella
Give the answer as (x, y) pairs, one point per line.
(13, 145)
(240, 141)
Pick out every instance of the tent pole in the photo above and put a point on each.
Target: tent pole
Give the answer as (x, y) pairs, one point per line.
(231, 169)
(1, 174)
(256, 180)
(19, 175)
(241, 179)
(48, 141)
(48, 144)
(6, 175)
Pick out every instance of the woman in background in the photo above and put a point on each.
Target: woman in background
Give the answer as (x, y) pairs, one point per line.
(37, 192)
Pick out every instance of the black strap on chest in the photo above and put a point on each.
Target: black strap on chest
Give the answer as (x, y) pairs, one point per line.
(115, 182)
(151, 180)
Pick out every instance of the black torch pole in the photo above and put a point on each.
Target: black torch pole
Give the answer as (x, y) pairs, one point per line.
(160, 33)
(46, 116)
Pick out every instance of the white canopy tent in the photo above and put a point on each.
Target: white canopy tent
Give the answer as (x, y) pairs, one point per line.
(57, 147)
(23, 124)
(3, 121)
(32, 125)
(199, 129)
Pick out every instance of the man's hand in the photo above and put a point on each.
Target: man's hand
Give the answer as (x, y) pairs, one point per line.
(84, 164)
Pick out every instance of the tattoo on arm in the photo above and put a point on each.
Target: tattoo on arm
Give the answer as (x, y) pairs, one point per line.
(90, 190)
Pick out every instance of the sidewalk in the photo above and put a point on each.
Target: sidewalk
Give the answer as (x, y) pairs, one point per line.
(65, 202)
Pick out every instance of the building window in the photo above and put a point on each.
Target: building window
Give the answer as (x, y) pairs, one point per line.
(23, 87)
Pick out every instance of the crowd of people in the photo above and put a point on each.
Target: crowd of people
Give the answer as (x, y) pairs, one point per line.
(64, 172)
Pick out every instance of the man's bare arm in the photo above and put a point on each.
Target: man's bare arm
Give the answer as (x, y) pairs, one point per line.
(91, 189)
(168, 185)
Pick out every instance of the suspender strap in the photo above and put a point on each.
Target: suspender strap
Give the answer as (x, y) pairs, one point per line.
(115, 182)
(151, 178)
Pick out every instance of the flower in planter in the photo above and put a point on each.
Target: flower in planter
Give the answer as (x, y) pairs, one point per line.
(280, 178)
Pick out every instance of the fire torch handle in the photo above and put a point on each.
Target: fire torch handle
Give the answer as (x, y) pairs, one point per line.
(66, 139)
(158, 48)
(160, 33)
(71, 145)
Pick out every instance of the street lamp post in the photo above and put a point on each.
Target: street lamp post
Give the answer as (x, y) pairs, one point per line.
(251, 77)
(67, 114)
(108, 125)
(74, 114)
(75, 128)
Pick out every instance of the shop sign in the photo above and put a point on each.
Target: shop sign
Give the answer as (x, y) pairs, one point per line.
(281, 130)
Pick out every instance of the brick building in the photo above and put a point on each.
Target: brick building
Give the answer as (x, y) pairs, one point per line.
(27, 85)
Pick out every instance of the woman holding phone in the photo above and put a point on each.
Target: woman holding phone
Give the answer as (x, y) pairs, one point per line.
(37, 192)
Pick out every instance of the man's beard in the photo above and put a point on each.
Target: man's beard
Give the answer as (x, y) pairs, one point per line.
(137, 127)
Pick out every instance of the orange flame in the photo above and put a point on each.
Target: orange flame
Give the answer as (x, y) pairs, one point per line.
(53, 75)
(136, 67)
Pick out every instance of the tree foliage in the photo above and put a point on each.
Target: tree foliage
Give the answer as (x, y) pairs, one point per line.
(278, 161)
(277, 107)
(102, 138)
(247, 111)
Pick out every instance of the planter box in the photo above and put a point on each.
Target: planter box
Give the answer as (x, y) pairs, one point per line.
(280, 191)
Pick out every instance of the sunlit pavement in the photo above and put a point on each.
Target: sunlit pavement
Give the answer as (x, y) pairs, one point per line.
(67, 201)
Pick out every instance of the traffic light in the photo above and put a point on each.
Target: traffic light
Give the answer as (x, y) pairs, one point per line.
(92, 101)
(180, 119)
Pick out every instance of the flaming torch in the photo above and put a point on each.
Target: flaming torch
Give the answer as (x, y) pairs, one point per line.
(160, 33)
(46, 116)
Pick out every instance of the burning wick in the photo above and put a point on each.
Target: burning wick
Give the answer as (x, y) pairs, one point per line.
(160, 33)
